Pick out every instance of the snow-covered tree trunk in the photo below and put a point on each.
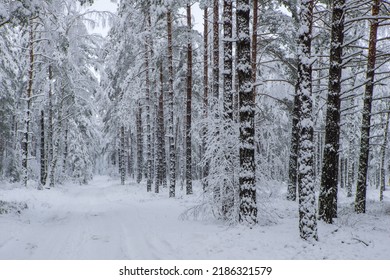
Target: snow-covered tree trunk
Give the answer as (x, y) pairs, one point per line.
(360, 199)
(383, 157)
(140, 144)
(330, 167)
(122, 156)
(148, 122)
(307, 209)
(205, 170)
(66, 151)
(26, 138)
(189, 105)
(43, 170)
(254, 44)
(293, 158)
(247, 180)
(215, 88)
(161, 158)
(228, 192)
(50, 131)
(57, 139)
(172, 151)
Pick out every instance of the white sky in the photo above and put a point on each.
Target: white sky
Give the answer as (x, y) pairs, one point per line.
(111, 6)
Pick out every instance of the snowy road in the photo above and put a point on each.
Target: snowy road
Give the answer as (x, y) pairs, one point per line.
(105, 220)
(98, 221)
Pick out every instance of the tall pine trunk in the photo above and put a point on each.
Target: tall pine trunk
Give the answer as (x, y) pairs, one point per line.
(148, 120)
(43, 153)
(228, 192)
(307, 212)
(26, 138)
(189, 105)
(205, 170)
(140, 144)
(247, 179)
(330, 167)
(172, 152)
(293, 158)
(383, 156)
(360, 199)
(122, 156)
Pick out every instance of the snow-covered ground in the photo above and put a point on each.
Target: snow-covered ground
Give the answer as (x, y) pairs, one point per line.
(105, 220)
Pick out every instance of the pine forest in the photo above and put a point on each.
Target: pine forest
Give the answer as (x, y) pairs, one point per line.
(194, 129)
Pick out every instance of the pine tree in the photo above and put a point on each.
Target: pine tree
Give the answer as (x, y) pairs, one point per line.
(228, 191)
(189, 105)
(172, 151)
(247, 180)
(330, 167)
(205, 170)
(29, 95)
(307, 213)
(360, 199)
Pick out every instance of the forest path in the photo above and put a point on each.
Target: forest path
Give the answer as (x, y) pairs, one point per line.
(103, 220)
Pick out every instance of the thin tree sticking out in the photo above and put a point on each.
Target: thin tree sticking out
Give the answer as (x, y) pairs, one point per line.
(140, 144)
(122, 156)
(360, 199)
(307, 212)
(172, 153)
(293, 159)
(215, 98)
(330, 167)
(26, 139)
(228, 192)
(383, 155)
(205, 91)
(43, 153)
(247, 180)
(189, 104)
(148, 120)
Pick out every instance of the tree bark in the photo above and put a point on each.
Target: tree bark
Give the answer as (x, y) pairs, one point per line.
(29, 94)
(189, 104)
(43, 153)
(140, 144)
(247, 179)
(172, 152)
(122, 156)
(205, 170)
(360, 199)
(148, 119)
(383, 156)
(228, 192)
(293, 158)
(307, 212)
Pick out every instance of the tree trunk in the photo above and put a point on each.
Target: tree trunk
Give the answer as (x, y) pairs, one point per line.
(29, 94)
(205, 92)
(307, 212)
(247, 180)
(383, 156)
(172, 152)
(293, 159)
(140, 144)
(330, 166)
(43, 154)
(360, 199)
(189, 104)
(254, 45)
(228, 192)
(122, 156)
(148, 126)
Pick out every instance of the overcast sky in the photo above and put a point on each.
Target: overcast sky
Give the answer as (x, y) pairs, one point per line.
(111, 6)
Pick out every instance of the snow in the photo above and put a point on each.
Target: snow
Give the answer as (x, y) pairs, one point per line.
(105, 220)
